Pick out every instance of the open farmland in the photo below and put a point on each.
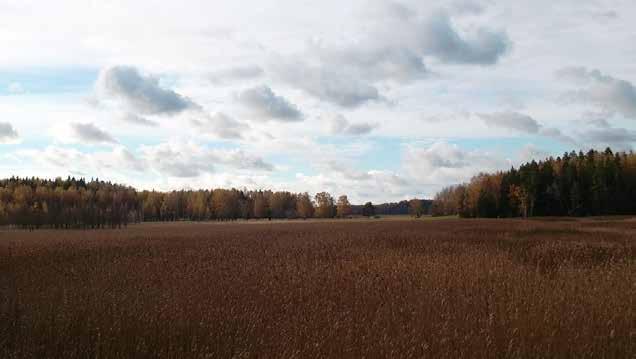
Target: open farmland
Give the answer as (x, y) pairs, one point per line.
(364, 288)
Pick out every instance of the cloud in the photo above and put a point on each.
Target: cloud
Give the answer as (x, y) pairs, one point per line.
(262, 101)
(8, 134)
(616, 138)
(89, 133)
(70, 160)
(346, 171)
(350, 74)
(339, 125)
(609, 15)
(127, 160)
(16, 88)
(178, 161)
(140, 93)
(525, 124)
(220, 125)
(328, 83)
(138, 120)
(531, 152)
(556, 134)
(604, 91)
(442, 163)
(467, 7)
(241, 160)
(433, 34)
(374, 61)
(237, 73)
(511, 120)
(611, 135)
(437, 37)
(598, 122)
(188, 160)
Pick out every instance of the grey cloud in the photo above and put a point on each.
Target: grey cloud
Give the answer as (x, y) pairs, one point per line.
(615, 137)
(180, 169)
(598, 118)
(557, 135)
(442, 155)
(117, 160)
(328, 83)
(511, 120)
(339, 125)
(599, 122)
(128, 160)
(190, 160)
(435, 35)
(238, 73)
(469, 7)
(442, 162)
(602, 90)
(525, 124)
(8, 134)
(262, 101)
(221, 125)
(239, 159)
(348, 75)
(177, 162)
(438, 38)
(346, 171)
(374, 61)
(89, 133)
(140, 93)
(359, 129)
(138, 120)
(607, 15)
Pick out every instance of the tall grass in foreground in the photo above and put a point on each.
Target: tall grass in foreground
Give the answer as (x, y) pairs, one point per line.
(400, 289)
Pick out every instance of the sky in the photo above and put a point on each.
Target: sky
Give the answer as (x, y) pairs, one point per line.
(379, 100)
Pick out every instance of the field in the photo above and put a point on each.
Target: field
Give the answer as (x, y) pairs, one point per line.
(364, 288)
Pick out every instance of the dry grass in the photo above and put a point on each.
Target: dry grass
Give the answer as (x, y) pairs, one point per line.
(399, 289)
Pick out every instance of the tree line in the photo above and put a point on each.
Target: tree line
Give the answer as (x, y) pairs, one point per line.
(232, 204)
(70, 203)
(76, 203)
(575, 184)
(413, 207)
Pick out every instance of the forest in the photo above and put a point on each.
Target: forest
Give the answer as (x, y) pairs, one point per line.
(76, 203)
(575, 184)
